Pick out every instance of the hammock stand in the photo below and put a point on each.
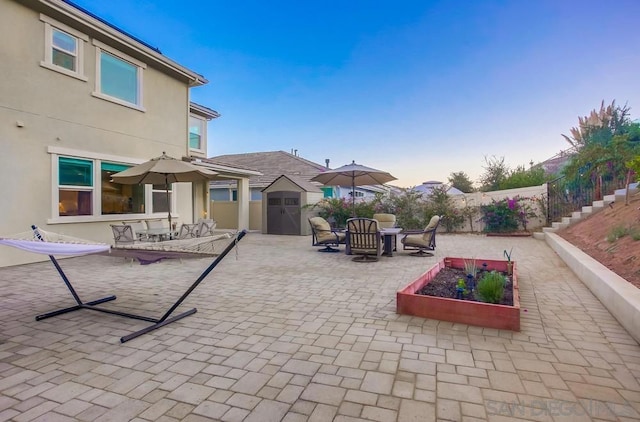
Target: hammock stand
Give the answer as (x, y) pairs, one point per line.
(156, 322)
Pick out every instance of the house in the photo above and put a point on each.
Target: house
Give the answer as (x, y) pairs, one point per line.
(427, 187)
(79, 100)
(271, 165)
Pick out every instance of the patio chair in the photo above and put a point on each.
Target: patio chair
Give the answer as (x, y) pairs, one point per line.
(387, 221)
(188, 231)
(155, 224)
(422, 241)
(139, 229)
(364, 239)
(206, 226)
(123, 234)
(324, 235)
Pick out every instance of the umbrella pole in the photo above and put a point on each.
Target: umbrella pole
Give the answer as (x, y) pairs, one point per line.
(353, 196)
(166, 187)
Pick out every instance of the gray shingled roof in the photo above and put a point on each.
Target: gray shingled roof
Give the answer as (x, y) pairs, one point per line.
(271, 164)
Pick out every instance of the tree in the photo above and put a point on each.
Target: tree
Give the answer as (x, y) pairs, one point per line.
(440, 203)
(522, 178)
(461, 181)
(495, 172)
(604, 141)
(599, 126)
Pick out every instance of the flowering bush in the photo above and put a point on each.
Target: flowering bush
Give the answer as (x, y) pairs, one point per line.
(507, 215)
(335, 210)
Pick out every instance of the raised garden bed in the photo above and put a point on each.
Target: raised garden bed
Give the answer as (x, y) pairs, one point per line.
(459, 310)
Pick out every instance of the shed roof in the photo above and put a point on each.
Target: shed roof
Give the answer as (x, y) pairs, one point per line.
(303, 184)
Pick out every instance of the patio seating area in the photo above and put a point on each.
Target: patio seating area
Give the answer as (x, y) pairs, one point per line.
(275, 337)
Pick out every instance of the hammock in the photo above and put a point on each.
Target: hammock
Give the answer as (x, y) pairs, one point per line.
(150, 252)
(49, 243)
(196, 245)
(40, 241)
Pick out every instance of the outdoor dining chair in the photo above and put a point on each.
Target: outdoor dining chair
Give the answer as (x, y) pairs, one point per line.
(364, 239)
(123, 234)
(206, 226)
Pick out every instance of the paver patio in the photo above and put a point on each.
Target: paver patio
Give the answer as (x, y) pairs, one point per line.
(287, 333)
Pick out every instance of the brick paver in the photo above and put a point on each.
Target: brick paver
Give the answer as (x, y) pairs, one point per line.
(284, 333)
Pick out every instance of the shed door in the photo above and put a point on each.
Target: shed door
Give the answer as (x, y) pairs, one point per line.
(283, 212)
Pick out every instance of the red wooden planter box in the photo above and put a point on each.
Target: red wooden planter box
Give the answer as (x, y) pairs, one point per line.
(456, 310)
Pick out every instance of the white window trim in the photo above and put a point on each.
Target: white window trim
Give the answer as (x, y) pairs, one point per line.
(100, 47)
(48, 46)
(203, 135)
(97, 216)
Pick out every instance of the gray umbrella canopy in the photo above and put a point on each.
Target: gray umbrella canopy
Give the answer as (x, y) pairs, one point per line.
(353, 175)
(163, 170)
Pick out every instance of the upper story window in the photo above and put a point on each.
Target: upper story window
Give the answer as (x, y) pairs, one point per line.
(196, 133)
(64, 48)
(118, 77)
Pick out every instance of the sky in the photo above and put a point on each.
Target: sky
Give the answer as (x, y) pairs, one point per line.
(420, 89)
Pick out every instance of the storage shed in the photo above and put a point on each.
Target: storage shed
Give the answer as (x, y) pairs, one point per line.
(283, 205)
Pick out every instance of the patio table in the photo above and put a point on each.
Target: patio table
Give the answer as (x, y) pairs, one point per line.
(388, 235)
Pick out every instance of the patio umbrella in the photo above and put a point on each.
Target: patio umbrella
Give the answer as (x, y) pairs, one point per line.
(163, 170)
(353, 175)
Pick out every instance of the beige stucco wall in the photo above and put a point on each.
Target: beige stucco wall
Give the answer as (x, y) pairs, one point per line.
(531, 195)
(226, 214)
(57, 113)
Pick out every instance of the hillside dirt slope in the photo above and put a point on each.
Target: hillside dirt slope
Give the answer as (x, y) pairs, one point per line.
(591, 234)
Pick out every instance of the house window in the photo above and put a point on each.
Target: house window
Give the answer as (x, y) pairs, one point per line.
(234, 195)
(160, 200)
(117, 198)
(118, 77)
(196, 133)
(328, 192)
(64, 48)
(75, 187)
(83, 190)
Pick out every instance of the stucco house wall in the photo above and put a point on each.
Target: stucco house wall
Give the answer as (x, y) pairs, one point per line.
(45, 114)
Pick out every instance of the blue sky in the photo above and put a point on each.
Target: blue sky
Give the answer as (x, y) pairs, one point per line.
(417, 88)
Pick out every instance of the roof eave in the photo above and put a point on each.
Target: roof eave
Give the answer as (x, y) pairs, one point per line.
(72, 12)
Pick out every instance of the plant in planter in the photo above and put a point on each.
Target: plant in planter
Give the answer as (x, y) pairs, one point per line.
(461, 289)
(463, 305)
(491, 287)
(509, 263)
(471, 270)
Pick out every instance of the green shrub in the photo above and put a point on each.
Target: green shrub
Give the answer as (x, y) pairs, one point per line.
(440, 203)
(616, 233)
(490, 288)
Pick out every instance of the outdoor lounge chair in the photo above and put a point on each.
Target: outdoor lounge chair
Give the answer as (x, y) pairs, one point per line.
(364, 239)
(324, 235)
(422, 241)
